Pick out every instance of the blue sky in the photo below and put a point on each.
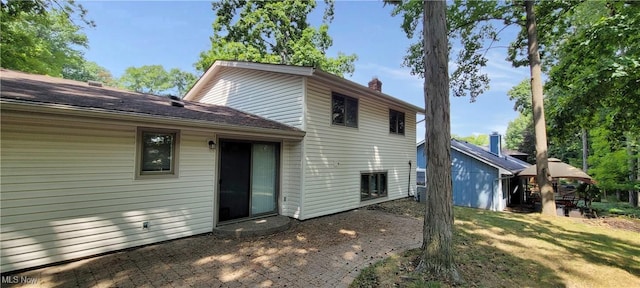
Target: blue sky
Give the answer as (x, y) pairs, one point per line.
(173, 33)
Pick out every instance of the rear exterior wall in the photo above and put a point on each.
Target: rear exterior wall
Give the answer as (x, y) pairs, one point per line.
(335, 156)
(68, 190)
(274, 96)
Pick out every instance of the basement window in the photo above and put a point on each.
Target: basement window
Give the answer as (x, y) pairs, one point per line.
(157, 153)
(373, 185)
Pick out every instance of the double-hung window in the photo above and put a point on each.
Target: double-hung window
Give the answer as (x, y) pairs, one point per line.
(396, 122)
(157, 153)
(344, 110)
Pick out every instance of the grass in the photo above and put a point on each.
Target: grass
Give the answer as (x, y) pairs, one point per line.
(499, 249)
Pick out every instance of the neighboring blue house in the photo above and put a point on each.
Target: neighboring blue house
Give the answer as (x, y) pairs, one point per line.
(481, 179)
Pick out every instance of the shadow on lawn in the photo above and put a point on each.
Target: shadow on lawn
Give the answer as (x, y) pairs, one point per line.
(594, 247)
(484, 265)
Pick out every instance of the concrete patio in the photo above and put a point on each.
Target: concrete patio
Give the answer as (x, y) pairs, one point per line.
(323, 252)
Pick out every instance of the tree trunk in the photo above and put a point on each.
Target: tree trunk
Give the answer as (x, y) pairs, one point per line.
(632, 171)
(437, 246)
(585, 150)
(542, 164)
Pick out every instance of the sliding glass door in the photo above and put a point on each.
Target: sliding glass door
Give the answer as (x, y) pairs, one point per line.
(248, 179)
(263, 178)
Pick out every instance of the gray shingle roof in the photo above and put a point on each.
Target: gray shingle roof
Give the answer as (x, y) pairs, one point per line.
(49, 91)
(506, 162)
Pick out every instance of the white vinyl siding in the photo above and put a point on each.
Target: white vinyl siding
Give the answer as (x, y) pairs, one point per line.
(68, 190)
(291, 178)
(274, 96)
(336, 156)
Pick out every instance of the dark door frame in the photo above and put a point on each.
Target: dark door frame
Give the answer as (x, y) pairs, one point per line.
(278, 145)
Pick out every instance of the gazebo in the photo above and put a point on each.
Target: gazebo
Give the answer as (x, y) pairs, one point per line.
(558, 170)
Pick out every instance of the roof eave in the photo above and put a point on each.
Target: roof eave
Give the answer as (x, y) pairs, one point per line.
(331, 79)
(67, 110)
(215, 67)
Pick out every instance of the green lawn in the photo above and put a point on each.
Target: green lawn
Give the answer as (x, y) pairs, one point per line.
(500, 249)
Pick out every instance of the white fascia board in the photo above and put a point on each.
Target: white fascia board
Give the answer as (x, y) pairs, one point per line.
(278, 68)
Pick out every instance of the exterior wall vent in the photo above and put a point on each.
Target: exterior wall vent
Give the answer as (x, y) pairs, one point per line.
(94, 83)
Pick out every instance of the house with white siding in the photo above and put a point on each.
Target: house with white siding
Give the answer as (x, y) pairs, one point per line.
(87, 170)
(359, 143)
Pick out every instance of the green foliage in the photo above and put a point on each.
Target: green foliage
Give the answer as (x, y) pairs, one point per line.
(589, 193)
(616, 208)
(273, 32)
(521, 94)
(516, 131)
(89, 71)
(608, 162)
(473, 24)
(182, 80)
(597, 76)
(154, 79)
(40, 39)
(479, 140)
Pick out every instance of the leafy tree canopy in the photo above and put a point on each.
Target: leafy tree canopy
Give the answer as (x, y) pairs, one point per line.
(596, 80)
(480, 139)
(154, 79)
(89, 70)
(273, 32)
(477, 27)
(41, 37)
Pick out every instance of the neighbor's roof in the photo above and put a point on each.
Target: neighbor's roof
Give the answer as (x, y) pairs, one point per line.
(327, 78)
(505, 162)
(37, 91)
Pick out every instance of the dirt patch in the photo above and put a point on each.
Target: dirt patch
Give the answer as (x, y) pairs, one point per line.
(615, 222)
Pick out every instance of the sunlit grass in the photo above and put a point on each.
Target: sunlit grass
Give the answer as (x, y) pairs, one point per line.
(495, 249)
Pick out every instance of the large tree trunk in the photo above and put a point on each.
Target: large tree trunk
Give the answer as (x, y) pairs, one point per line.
(585, 150)
(633, 195)
(437, 246)
(542, 164)
(638, 170)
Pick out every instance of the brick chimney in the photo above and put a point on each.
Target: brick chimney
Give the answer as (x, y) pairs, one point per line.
(375, 84)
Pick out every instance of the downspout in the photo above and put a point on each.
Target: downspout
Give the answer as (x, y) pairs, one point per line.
(409, 181)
